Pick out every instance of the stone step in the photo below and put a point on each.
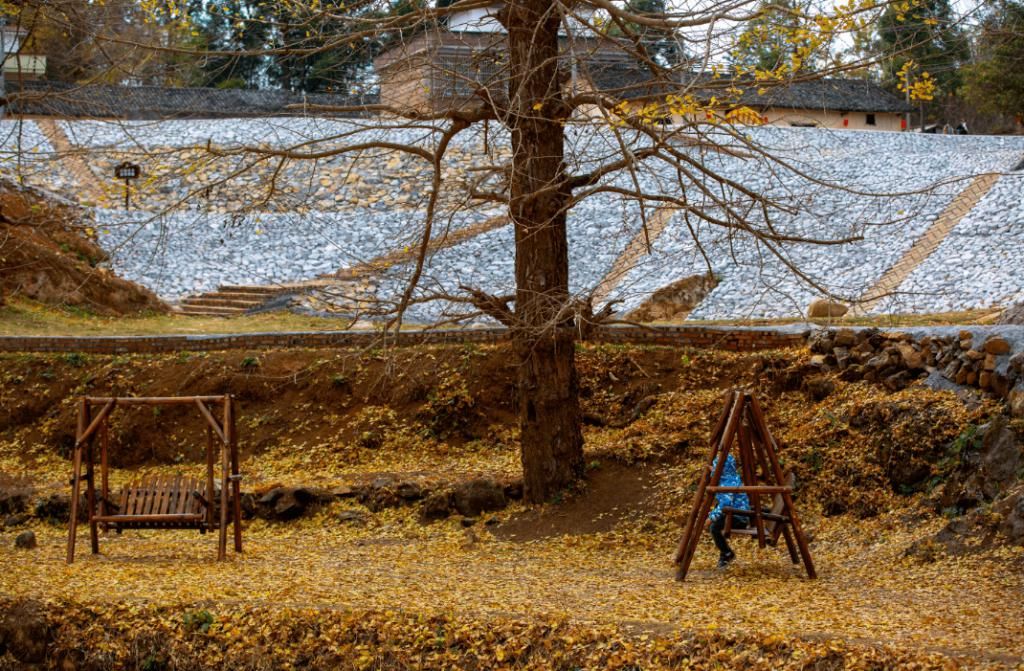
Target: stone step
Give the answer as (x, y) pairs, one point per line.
(210, 310)
(248, 296)
(251, 289)
(217, 300)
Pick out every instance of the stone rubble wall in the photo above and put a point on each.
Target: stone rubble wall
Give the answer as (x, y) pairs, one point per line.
(986, 359)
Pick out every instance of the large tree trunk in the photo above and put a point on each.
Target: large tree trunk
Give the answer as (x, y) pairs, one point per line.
(549, 413)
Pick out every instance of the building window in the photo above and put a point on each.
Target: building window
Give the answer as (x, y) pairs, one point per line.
(870, 120)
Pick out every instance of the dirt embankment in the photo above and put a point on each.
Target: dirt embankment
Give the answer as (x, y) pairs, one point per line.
(47, 256)
(856, 447)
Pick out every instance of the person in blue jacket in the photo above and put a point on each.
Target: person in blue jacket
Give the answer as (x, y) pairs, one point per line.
(730, 478)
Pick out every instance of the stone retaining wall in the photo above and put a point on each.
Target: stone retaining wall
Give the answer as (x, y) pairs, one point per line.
(987, 359)
(734, 339)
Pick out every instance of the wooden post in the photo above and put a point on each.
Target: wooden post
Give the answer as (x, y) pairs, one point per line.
(689, 544)
(90, 493)
(236, 476)
(209, 478)
(222, 539)
(104, 469)
(76, 474)
(749, 475)
(704, 477)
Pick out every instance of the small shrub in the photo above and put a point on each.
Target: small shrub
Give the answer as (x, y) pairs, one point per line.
(450, 407)
(198, 621)
(250, 363)
(76, 359)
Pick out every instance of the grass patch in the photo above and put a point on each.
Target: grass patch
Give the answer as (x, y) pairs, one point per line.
(21, 317)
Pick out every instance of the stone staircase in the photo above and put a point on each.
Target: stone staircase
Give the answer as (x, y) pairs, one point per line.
(349, 291)
(230, 300)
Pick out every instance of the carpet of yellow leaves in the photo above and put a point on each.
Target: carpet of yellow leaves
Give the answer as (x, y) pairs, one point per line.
(968, 608)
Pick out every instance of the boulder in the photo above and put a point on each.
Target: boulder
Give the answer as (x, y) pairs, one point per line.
(17, 519)
(1011, 509)
(287, 503)
(912, 359)
(56, 508)
(1013, 315)
(848, 338)
(989, 465)
(25, 632)
(354, 517)
(996, 345)
(675, 300)
(434, 507)
(380, 498)
(1015, 401)
(409, 491)
(478, 496)
(1017, 363)
(26, 540)
(14, 498)
(819, 388)
(823, 308)
(821, 341)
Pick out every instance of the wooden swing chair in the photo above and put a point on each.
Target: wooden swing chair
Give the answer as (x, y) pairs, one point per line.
(742, 425)
(155, 502)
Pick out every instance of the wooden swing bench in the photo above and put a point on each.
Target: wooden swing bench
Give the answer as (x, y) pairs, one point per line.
(155, 501)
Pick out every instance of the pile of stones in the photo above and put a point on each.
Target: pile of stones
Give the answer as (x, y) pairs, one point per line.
(895, 359)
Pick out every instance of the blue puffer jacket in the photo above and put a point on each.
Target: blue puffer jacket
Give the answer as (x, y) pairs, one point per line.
(730, 478)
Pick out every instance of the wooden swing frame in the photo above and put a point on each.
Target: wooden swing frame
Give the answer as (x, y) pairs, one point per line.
(742, 424)
(155, 515)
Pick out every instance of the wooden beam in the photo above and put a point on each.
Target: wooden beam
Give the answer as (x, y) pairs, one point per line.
(167, 517)
(85, 435)
(153, 400)
(756, 489)
(211, 421)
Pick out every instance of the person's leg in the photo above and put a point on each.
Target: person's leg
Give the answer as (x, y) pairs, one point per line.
(725, 553)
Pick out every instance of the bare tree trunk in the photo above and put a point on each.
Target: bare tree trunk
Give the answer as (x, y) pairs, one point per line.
(549, 413)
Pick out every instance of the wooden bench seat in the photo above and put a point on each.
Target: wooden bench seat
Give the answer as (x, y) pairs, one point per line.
(160, 502)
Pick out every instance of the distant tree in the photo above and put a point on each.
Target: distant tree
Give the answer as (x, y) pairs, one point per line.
(61, 30)
(660, 43)
(994, 82)
(767, 42)
(927, 33)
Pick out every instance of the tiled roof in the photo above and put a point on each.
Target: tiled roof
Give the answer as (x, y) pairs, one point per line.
(631, 82)
(41, 98)
(844, 95)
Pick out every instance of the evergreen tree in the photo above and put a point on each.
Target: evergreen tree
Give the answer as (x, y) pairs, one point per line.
(927, 34)
(994, 82)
